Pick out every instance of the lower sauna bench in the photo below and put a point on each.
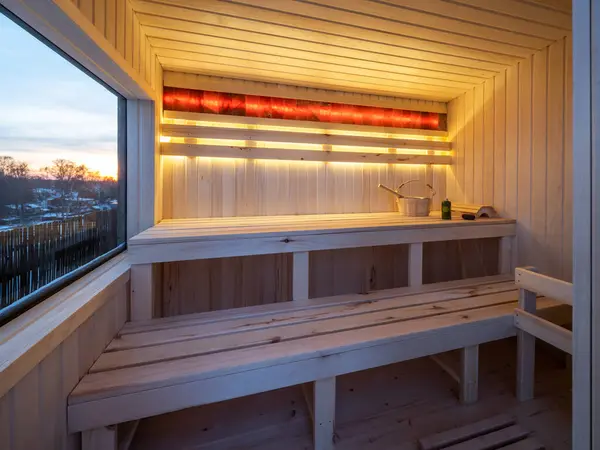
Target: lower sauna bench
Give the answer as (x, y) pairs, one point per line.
(169, 364)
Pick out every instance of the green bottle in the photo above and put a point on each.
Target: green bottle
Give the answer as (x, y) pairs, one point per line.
(446, 210)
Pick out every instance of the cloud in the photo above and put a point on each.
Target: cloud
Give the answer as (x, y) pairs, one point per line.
(50, 109)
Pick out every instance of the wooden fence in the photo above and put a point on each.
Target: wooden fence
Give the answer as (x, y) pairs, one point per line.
(31, 257)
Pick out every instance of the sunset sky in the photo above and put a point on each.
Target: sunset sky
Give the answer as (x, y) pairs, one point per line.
(50, 109)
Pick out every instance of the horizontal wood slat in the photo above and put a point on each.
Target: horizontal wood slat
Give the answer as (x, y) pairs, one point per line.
(259, 312)
(189, 329)
(206, 132)
(283, 154)
(192, 342)
(542, 329)
(544, 285)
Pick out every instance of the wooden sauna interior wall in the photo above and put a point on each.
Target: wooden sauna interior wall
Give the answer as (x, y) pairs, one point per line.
(204, 187)
(512, 141)
(33, 414)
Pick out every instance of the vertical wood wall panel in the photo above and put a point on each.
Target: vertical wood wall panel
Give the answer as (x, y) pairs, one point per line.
(202, 187)
(520, 127)
(33, 414)
(118, 23)
(539, 167)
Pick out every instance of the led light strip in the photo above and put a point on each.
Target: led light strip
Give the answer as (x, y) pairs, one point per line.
(323, 131)
(298, 146)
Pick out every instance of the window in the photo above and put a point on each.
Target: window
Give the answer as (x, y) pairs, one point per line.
(61, 191)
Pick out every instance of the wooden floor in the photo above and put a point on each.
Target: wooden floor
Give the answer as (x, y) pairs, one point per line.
(385, 408)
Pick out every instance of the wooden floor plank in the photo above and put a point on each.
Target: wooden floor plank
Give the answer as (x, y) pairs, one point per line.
(493, 440)
(450, 437)
(188, 345)
(527, 444)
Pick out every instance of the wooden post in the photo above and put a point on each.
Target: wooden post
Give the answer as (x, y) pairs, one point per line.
(324, 413)
(526, 350)
(415, 264)
(142, 292)
(104, 438)
(469, 374)
(300, 278)
(506, 255)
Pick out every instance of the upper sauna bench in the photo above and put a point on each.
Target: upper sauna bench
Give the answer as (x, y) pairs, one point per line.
(224, 237)
(189, 239)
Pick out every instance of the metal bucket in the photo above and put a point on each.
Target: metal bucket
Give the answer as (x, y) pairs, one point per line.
(411, 206)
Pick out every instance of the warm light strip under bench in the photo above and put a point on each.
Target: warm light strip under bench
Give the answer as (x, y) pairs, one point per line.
(193, 239)
(283, 154)
(207, 132)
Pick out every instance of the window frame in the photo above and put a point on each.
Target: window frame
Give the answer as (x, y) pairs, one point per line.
(27, 302)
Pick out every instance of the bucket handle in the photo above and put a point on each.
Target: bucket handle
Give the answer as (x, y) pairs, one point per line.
(431, 189)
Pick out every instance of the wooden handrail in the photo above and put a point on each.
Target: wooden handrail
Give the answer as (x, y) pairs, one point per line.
(549, 332)
(559, 290)
(530, 326)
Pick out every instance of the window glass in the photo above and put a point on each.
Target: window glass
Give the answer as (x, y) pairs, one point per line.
(59, 167)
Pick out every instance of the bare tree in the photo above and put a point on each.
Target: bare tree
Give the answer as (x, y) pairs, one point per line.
(67, 176)
(14, 181)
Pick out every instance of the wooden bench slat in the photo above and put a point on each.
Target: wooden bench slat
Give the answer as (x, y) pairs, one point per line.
(133, 379)
(260, 226)
(127, 396)
(188, 345)
(300, 305)
(460, 434)
(274, 321)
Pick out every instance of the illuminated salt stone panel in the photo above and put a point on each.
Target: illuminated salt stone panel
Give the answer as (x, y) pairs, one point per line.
(208, 102)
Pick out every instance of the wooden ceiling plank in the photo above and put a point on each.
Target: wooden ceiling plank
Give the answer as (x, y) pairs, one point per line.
(178, 39)
(187, 51)
(277, 89)
(225, 64)
(523, 10)
(349, 23)
(328, 44)
(320, 52)
(478, 16)
(295, 28)
(438, 22)
(262, 75)
(283, 69)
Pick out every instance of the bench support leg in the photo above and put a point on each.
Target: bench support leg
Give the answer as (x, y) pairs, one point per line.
(415, 264)
(525, 365)
(104, 438)
(507, 255)
(526, 350)
(142, 292)
(300, 277)
(469, 374)
(324, 413)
